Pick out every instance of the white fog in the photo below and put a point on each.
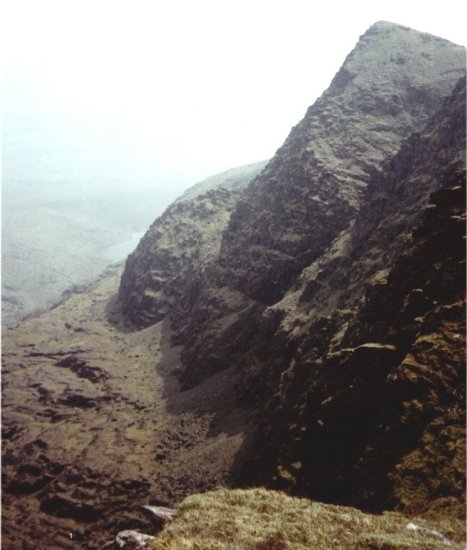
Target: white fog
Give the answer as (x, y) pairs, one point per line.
(112, 109)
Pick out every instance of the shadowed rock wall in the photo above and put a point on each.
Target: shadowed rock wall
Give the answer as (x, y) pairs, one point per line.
(337, 285)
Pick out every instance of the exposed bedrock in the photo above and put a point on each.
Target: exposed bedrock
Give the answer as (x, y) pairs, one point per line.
(335, 284)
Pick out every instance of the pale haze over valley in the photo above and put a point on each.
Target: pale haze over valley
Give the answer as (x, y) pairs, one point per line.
(112, 109)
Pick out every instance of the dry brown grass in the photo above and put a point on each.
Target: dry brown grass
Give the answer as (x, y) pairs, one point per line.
(258, 519)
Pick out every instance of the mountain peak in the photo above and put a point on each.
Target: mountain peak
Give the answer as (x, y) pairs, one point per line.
(391, 26)
(388, 54)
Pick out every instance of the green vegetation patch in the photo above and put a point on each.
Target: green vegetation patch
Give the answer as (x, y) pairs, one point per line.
(267, 520)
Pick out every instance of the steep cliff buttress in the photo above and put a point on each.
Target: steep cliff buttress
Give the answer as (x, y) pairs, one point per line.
(311, 190)
(361, 368)
(328, 285)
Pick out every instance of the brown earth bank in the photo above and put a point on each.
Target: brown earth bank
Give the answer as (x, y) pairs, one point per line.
(94, 426)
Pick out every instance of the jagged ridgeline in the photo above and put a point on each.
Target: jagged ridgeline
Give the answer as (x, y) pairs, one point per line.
(334, 284)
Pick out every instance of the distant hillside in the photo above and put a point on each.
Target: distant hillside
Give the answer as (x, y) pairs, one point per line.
(234, 178)
(57, 235)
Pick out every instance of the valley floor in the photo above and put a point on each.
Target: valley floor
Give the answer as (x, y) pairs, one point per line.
(94, 425)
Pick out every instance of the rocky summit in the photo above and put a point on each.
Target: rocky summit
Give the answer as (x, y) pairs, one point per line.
(300, 326)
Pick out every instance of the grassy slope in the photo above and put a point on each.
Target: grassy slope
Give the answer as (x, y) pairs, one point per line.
(267, 520)
(233, 178)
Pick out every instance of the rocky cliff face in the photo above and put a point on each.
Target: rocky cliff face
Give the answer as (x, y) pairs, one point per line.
(389, 86)
(366, 405)
(336, 288)
(164, 272)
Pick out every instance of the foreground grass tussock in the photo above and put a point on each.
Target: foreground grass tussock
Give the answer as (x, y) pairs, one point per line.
(258, 519)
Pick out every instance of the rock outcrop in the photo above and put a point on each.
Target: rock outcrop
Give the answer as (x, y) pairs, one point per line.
(336, 289)
(372, 380)
(164, 272)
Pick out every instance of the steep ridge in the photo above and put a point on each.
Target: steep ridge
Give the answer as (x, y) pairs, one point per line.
(337, 290)
(310, 191)
(372, 382)
(389, 86)
(233, 178)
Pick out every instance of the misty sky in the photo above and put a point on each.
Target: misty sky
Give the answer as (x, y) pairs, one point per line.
(170, 92)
